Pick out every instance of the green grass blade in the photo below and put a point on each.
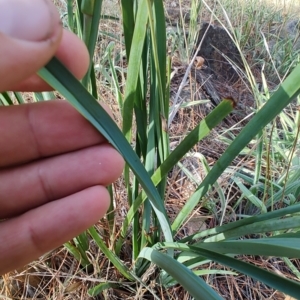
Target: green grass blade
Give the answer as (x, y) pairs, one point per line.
(91, 11)
(247, 221)
(292, 267)
(77, 254)
(128, 23)
(135, 43)
(83, 242)
(44, 96)
(79, 20)
(158, 46)
(110, 214)
(6, 99)
(99, 288)
(277, 282)
(122, 268)
(134, 63)
(159, 81)
(197, 134)
(289, 89)
(288, 189)
(192, 283)
(115, 82)
(149, 165)
(258, 227)
(20, 98)
(258, 159)
(70, 14)
(63, 81)
(87, 10)
(249, 195)
(110, 255)
(279, 247)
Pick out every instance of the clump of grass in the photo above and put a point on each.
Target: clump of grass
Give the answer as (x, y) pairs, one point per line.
(246, 200)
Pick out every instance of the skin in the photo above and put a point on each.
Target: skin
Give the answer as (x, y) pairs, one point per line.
(54, 165)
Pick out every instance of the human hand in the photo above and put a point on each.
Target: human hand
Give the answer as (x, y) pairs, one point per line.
(53, 164)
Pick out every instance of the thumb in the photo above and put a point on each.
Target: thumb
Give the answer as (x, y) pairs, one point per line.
(30, 33)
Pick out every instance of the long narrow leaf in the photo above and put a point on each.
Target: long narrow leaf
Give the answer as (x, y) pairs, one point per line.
(99, 288)
(5, 99)
(128, 23)
(134, 63)
(192, 283)
(289, 247)
(258, 227)
(249, 195)
(111, 256)
(196, 135)
(63, 81)
(281, 98)
(275, 281)
(247, 221)
(117, 262)
(92, 13)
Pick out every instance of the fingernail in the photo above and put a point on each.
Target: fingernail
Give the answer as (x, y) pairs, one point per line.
(31, 20)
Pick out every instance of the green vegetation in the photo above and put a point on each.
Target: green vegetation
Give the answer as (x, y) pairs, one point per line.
(260, 163)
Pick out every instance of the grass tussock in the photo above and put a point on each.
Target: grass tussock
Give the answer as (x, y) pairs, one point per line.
(257, 181)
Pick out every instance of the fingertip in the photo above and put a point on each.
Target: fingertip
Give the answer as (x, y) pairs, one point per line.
(20, 59)
(30, 33)
(71, 51)
(96, 204)
(114, 164)
(32, 20)
(74, 54)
